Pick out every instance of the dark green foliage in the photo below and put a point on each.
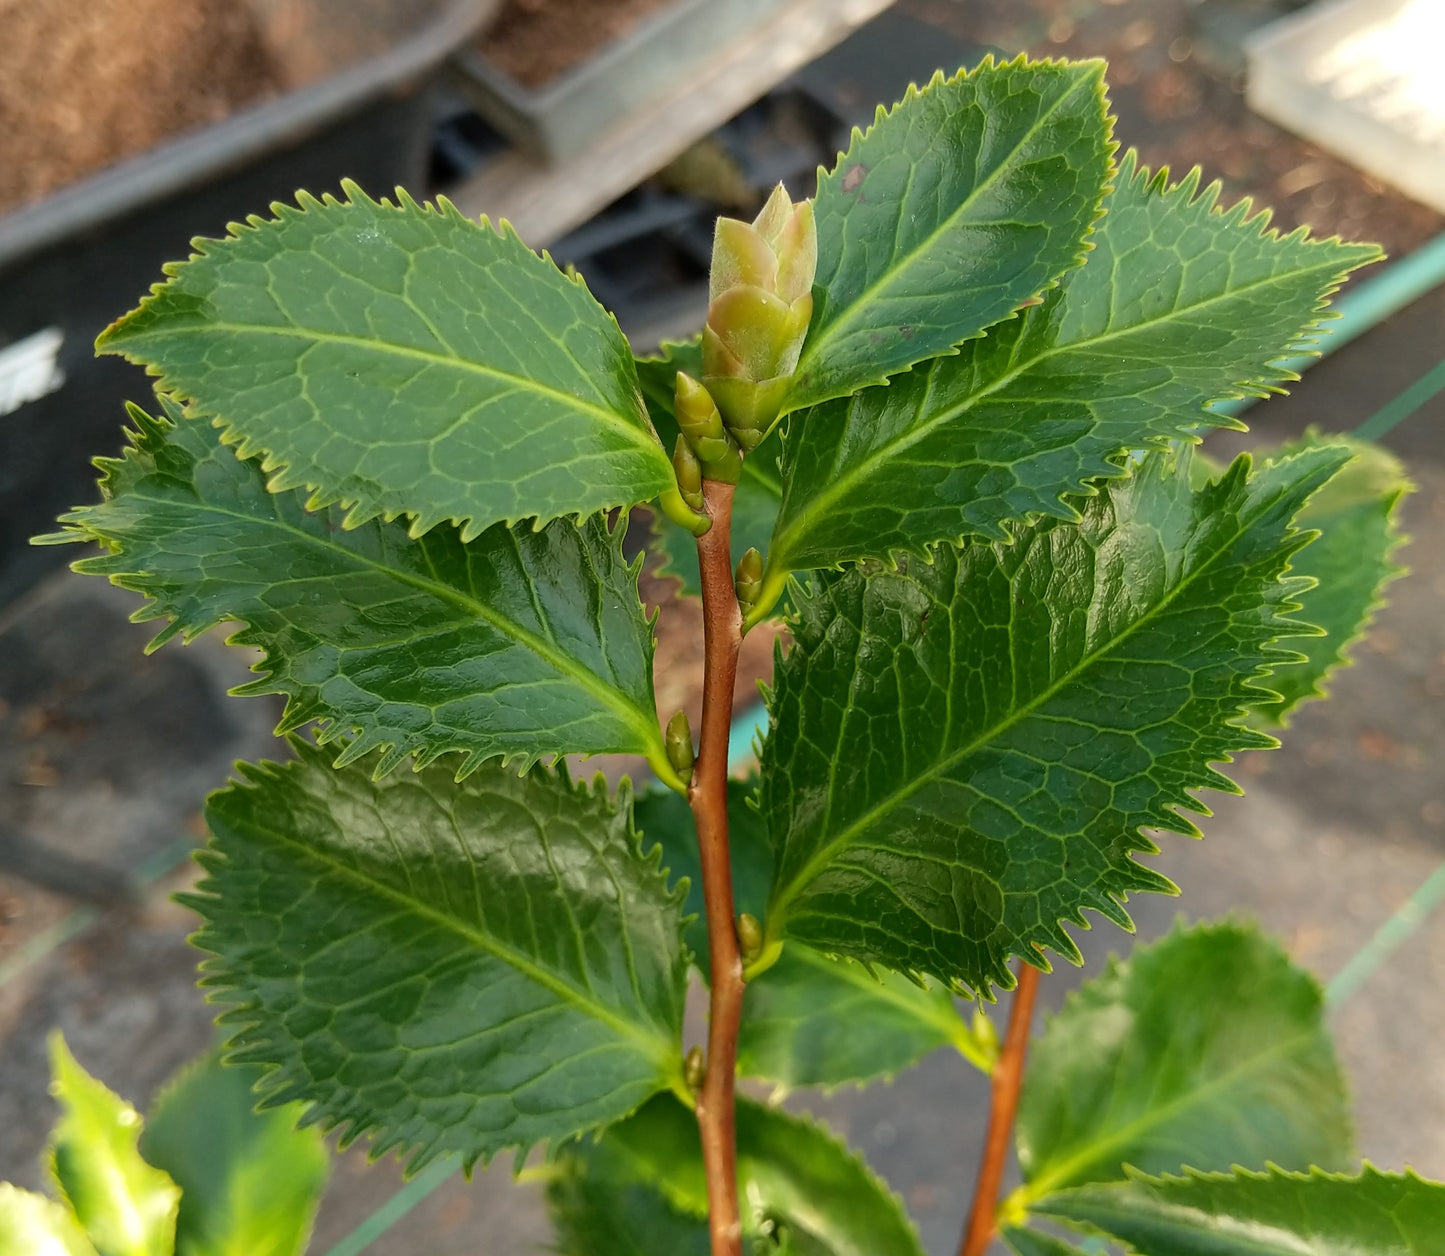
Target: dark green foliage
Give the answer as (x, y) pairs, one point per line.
(1027, 629)
(793, 1009)
(516, 644)
(966, 199)
(802, 1191)
(1353, 560)
(454, 967)
(1013, 715)
(1180, 303)
(1036, 1243)
(402, 360)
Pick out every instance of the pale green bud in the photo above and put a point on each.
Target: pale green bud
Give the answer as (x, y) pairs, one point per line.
(748, 579)
(698, 416)
(678, 740)
(694, 1070)
(760, 295)
(689, 473)
(750, 936)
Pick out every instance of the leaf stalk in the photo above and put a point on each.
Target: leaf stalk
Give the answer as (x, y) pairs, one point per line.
(775, 580)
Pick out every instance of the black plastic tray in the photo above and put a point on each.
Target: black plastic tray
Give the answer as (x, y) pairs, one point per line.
(78, 259)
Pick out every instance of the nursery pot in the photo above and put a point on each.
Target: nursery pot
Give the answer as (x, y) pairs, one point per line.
(558, 120)
(81, 257)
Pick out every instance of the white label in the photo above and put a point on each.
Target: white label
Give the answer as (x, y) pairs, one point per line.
(29, 369)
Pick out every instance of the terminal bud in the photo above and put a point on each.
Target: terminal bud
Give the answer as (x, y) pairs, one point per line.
(760, 301)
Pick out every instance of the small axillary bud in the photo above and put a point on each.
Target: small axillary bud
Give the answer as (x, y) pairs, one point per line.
(760, 302)
(702, 424)
(678, 739)
(750, 936)
(694, 1069)
(689, 473)
(748, 579)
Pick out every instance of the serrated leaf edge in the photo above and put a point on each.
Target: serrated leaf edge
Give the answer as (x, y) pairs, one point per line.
(1116, 967)
(814, 1125)
(1114, 466)
(80, 526)
(1270, 1173)
(278, 469)
(248, 1041)
(1171, 817)
(1345, 651)
(913, 91)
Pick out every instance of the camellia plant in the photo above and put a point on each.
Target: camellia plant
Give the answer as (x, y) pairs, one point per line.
(943, 415)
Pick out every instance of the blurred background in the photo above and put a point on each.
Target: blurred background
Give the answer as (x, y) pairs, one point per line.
(613, 132)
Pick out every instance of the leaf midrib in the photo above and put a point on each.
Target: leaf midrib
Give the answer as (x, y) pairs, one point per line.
(842, 485)
(1240, 1244)
(1056, 1178)
(610, 696)
(865, 296)
(655, 1044)
(824, 855)
(929, 1014)
(634, 431)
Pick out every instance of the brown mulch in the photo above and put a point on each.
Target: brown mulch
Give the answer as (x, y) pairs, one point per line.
(1179, 111)
(85, 83)
(534, 41)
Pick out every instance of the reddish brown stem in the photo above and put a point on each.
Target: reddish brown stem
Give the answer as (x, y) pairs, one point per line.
(1008, 1076)
(708, 795)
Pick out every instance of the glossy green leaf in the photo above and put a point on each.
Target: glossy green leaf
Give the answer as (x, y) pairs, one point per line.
(755, 501)
(32, 1225)
(964, 200)
(964, 753)
(1036, 1243)
(595, 1215)
(808, 1019)
(1179, 304)
(797, 1185)
(1357, 515)
(1264, 1214)
(657, 377)
(454, 967)
(402, 360)
(126, 1207)
(1207, 1049)
(250, 1181)
(519, 643)
(811, 1020)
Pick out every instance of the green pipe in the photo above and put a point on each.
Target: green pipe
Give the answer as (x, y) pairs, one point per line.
(1396, 411)
(1365, 306)
(1388, 938)
(426, 1183)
